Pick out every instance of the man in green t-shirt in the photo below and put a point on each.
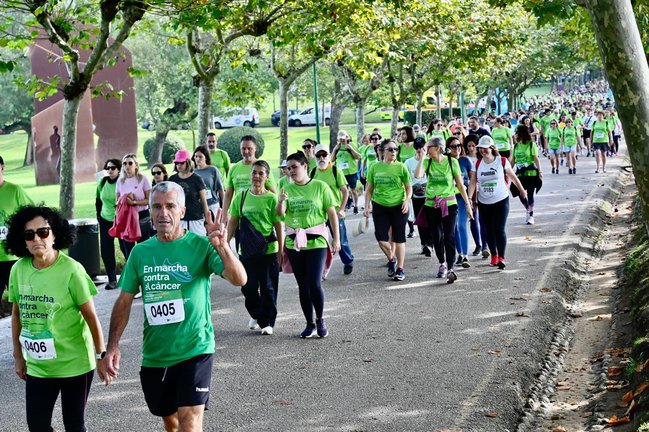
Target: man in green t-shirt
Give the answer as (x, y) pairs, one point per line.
(174, 270)
(12, 197)
(220, 158)
(239, 178)
(330, 174)
(346, 157)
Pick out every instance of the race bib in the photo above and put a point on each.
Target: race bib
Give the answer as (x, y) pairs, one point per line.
(343, 165)
(208, 194)
(3, 232)
(38, 348)
(487, 189)
(165, 307)
(500, 146)
(599, 135)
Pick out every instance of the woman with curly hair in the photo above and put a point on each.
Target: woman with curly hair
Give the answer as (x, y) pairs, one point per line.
(57, 338)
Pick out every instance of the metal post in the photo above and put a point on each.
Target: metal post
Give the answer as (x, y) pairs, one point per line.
(315, 97)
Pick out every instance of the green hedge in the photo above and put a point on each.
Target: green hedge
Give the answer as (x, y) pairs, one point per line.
(230, 141)
(428, 116)
(171, 146)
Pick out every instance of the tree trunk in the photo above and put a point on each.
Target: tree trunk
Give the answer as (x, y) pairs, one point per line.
(337, 108)
(29, 150)
(283, 119)
(360, 120)
(624, 60)
(395, 120)
(450, 106)
(68, 155)
(205, 108)
(160, 138)
(418, 105)
(438, 95)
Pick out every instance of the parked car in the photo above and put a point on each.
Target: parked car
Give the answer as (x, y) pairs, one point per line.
(237, 117)
(274, 118)
(307, 117)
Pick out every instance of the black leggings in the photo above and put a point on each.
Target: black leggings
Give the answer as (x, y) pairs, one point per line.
(495, 220)
(308, 266)
(424, 232)
(41, 395)
(528, 202)
(108, 248)
(443, 233)
(260, 291)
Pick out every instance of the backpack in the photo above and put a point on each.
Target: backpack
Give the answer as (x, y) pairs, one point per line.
(249, 240)
(334, 172)
(503, 160)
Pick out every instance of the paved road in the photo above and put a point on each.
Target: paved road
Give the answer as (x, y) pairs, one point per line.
(417, 355)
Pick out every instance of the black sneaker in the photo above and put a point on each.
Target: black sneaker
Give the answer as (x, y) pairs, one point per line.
(399, 275)
(392, 267)
(458, 261)
(465, 263)
(309, 331)
(427, 251)
(451, 277)
(321, 328)
(111, 285)
(348, 269)
(553, 170)
(355, 210)
(476, 251)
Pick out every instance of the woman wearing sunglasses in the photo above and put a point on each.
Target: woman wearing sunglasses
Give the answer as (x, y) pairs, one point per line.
(196, 208)
(441, 206)
(57, 338)
(159, 173)
(387, 197)
(105, 204)
(136, 187)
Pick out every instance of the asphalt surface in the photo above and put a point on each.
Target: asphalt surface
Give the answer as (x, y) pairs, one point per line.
(417, 355)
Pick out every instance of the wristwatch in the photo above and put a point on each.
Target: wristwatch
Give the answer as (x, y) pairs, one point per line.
(101, 355)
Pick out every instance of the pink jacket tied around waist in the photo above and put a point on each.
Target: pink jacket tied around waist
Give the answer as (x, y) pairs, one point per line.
(127, 223)
(301, 241)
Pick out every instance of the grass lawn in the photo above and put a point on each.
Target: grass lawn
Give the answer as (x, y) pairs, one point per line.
(12, 149)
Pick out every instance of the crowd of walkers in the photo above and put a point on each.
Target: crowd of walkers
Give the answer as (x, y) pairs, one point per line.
(450, 180)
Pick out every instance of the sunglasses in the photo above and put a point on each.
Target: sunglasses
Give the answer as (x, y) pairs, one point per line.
(321, 155)
(307, 146)
(390, 149)
(129, 163)
(180, 163)
(156, 172)
(110, 168)
(456, 146)
(40, 232)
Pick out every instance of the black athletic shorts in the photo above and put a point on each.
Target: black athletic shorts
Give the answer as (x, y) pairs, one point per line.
(386, 218)
(586, 133)
(184, 384)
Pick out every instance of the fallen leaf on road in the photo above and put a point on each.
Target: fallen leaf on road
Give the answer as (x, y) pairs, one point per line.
(614, 371)
(598, 318)
(628, 397)
(641, 388)
(528, 238)
(521, 314)
(281, 402)
(496, 351)
(545, 290)
(559, 429)
(612, 385)
(642, 366)
(614, 421)
(632, 408)
(491, 415)
(601, 273)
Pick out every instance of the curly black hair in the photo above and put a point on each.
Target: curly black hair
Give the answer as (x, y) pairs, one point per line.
(64, 233)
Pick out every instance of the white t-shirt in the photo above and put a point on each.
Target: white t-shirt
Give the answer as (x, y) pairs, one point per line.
(411, 164)
(492, 187)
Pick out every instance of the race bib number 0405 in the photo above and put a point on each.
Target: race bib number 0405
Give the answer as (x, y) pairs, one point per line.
(165, 312)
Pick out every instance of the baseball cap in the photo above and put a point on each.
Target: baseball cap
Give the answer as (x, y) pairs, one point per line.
(416, 127)
(283, 164)
(485, 142)
(182, 156)
(320, 148)
(343, 134)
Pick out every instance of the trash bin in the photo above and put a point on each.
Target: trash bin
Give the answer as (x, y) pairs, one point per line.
(86, 248)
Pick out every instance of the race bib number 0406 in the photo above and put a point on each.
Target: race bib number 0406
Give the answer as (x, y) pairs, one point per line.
(38, 349)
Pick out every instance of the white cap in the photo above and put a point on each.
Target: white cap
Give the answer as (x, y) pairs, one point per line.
(485, 142)
(283, 164)
(343, 134)
(320, 148)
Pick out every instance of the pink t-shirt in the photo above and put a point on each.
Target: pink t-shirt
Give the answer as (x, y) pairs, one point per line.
(131, 185)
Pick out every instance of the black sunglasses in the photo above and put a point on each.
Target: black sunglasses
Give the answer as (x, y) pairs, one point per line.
(307, 146)
(110, 168)
(128, 163)
(156, 172)
(40, 232)
(180, 163)
(456, 146)
(391, 149)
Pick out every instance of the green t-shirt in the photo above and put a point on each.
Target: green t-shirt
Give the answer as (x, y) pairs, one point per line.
(12, 197)
(239, 178)
(327, 176)
(554, 138)
(346, 162)
(545, 123)
(578, 121)
(283, 181)
(313, 163)
(524, 153)
(368, 154)
(501, 136)
(175, 281)
(306, 207)
(569, 136)
(106, 194)
(600, 131)
(55, 337)
(441, 181)
(406, 152)
(221, 160)
(260, 211)
(388, 181)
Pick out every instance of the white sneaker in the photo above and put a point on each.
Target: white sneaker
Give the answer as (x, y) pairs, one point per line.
(530, 220)
(268, 330)
(252, 324)
(527, 219)
(138, 295)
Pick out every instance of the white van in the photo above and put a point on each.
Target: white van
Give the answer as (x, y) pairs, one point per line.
(237, 117)
(307, 117)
